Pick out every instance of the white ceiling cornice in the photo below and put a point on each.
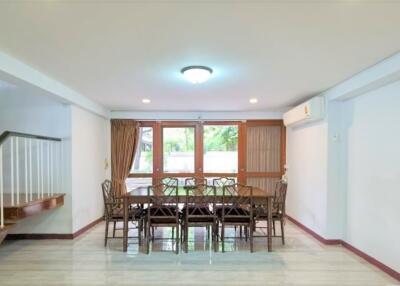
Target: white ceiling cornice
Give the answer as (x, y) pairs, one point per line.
(26, 75)
(180, 115)
(380, 74)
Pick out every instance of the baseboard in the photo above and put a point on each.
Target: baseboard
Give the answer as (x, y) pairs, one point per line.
(86, 228)
(314, 234)
(373, 261)
(39, 236)
(393, 273)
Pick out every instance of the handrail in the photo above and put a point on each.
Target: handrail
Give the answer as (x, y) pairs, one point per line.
(7, 134)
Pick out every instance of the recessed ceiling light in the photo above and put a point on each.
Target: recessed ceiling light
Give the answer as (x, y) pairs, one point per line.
(253, 100)
(146, 100)
(197, 74)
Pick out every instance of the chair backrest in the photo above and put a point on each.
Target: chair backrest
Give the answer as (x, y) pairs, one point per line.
(223, 181)
(279, 202)
(199, 198)
(109, 197)
(236, 198)
(193, 181)
(164, 201)
(170, 181)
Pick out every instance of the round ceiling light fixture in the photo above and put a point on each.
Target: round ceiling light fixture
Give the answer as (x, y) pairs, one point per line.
(197, 74)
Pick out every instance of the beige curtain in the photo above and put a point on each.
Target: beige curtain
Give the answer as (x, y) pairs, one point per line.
(264, 149)
(124, 139)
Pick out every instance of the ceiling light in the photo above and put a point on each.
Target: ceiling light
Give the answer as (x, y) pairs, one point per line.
(197, 74)
(146, 100)
(253, 100)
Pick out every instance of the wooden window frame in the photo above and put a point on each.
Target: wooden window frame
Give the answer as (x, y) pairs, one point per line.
(242, 174)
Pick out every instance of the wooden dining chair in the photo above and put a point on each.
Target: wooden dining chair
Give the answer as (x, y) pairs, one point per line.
(163, 211)
(193, 181)
(113, 212)
(223, 181)
(278, 210)
(237, 210)
(170, 181)
(219, 183)
(199, 211)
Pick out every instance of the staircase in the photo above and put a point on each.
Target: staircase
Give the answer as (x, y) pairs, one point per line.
(30, 176)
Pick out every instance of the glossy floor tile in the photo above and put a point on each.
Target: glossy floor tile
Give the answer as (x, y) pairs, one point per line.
(85, 261)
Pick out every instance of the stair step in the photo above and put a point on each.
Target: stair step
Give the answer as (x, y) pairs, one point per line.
(22, 210)
(4, 231)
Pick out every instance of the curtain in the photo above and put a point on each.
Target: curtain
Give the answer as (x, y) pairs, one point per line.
(264, 149)
(124, 140)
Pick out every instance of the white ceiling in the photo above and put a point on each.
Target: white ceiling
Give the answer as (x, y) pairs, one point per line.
(118, 52)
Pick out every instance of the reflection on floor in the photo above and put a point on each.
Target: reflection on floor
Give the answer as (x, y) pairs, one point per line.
(84, 261)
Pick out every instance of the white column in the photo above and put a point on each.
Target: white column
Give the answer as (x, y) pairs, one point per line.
(12, 169)
(58, 164)
(51, 167)
(38, 168)
(17, 167)
(26, 168)
(1, 188)
(30, 170)
(48, 168)
(41, 170)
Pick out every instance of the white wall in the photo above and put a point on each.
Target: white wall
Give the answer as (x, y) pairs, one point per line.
(373, 174)
(307, 164)
(343, 174)
(41, 116)
(90, 150)
(86, 146)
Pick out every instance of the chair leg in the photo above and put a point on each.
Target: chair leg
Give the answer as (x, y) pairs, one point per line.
(140, 231)
(177, 239)
(186, 238)
(223, 237)
(246, 233)
(240, 230)
(115, 226)
(173, 233)
(251, 236)
(273, 227)
(282, 232)
(106, 233)
(152, 236)
(148, 238)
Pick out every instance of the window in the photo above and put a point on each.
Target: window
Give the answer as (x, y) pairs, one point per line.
(252, 152)
(134, 183)
(143, 162)
(178, 149)
(220, 148)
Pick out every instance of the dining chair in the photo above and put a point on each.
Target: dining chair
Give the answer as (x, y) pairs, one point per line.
(219, 183)
(113, 212)
(163, 211)
(223, 181)
(193, 181)
(170, 181)
(278, 210)
(199, 211)
(237, 210)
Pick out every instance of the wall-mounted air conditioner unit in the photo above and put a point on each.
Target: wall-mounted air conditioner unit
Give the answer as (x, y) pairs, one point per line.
(309, 111)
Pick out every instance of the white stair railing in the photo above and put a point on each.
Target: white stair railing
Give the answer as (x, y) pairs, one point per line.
(29, 168)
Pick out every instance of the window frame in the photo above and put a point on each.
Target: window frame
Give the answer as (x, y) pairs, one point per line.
(242, 174)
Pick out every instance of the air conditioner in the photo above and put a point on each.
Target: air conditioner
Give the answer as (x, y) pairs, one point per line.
(309, 111)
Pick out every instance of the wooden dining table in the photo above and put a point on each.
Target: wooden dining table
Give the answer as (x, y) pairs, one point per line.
(140, 195)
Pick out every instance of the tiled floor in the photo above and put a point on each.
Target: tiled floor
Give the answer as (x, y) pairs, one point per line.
(85, 261)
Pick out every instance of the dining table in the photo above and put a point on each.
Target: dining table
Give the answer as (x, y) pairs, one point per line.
(141, 196)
